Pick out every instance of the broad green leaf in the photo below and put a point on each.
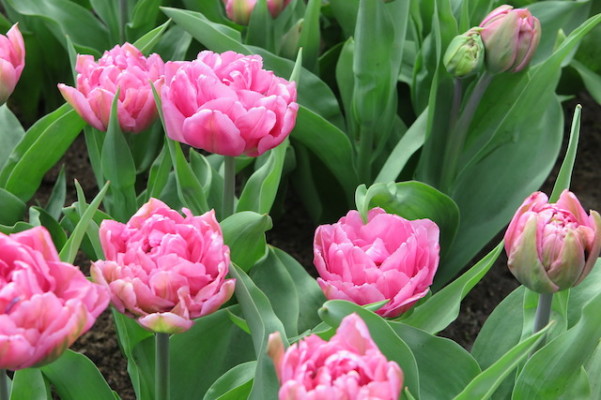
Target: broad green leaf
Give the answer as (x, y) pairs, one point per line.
(143, 19)
(389, 343)
(56, 202)
(30, 159)
(110, 12)
(593, 368)
(565, 172)
(75, 367)
(234, 384)
(484, 385)
(414, 200)
(244, 233)
(66, 18)
(29, 384)
(39, 217)
(262, 321)
(147, 42)
(346, 81)
(158, 175)
(261, 188)
(583, 293)
(12, 209)
(445, 368)
(591, 80)
(559, 362)
(442, 308)
(310, 38)
(260, 27)
(345, 12)
(11, 133)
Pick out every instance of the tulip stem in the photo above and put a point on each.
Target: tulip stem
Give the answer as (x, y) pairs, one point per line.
(123, 19)
(543, 311)
(3, 385)
(161, 362)
(229, 185)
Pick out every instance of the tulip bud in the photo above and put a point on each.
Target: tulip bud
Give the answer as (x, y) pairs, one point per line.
(510, 37)
(465, 55)
(239, 11)
(289, 44)
(12, 61)
(552, 247)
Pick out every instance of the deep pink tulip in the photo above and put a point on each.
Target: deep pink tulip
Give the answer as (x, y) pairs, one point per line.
(164, 268)
(45, 304)
(239, 11)
(552, 246)
(510, 38)
(227, 104)
(348, 366)
(388, 258)
(12, 61)
(125, 68)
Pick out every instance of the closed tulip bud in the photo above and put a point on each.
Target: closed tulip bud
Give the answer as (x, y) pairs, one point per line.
(12, 61)
(552, 247)
(510, 37)
(239, 11)
(465, 55)
(289, 44)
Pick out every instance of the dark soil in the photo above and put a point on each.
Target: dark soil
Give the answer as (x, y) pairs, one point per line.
(293, 232)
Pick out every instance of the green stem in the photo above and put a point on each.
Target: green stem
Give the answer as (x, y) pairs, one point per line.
(229, 185)
(543, 311)
(123, 19)
(366, 139)
(459, 132)
(3, 385)
(161, 366)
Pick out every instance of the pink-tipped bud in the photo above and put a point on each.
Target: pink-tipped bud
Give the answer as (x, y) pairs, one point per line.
(510, 37)
(552, 247)
(239, 11)
(12, 61)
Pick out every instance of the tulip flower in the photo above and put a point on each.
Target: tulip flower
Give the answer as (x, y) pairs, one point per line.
(45, 304)
(552, 246)
(348, 366)
(510, 37)
(12, 61)
(164, 268)
(227, 104)
(387, 258)
(239, 11)
(123, 68)
(465, 54)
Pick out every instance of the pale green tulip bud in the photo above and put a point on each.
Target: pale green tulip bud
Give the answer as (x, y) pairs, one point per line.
(465, 55)
(289, 43)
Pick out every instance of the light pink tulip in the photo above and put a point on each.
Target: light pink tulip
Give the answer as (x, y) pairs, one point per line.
(552, 246)
(348, 366)
(125, 68)
(227, 104)
(239, 11)
(510, 38)
(45, 304)
(164, 268)
(12, 61)
(388, 258)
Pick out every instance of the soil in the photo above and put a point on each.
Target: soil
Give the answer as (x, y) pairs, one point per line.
(293, 232)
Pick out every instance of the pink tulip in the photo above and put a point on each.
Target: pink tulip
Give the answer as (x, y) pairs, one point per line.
(163, 268)
(12, 61)
(227, 104)
(349, 366)
(45, 304)
(125, 68)
(388, 258)
(510, 38)
(239, 11)
(554, 246)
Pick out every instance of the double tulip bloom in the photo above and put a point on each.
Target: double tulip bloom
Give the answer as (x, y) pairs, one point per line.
(387, 258)
(552, 246)
(12, 61)
(239, 11)
(45, 304)
(227, 104)
(510, 37)
(164, 268)
(348, 366)
(123, 68)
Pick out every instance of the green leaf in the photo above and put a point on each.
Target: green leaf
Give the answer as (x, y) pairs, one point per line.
(260, 27)
(158, 174)
(345, 12)
(234, 384)
(29, 384)
(56, 202)
(12, 209)
(39, 217)
(389, 343)
(261, 188)
(414, 200)
(143, 19)
(565, 172)
(591, 80)
(244, 233)
(484, 385)
(108, 11)
(12, 133)
(310, 38)
(442, 308)
(147, 42)
(593, 368)
(445, 368)
(30, 159)
(559, 362)
(75, 367)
